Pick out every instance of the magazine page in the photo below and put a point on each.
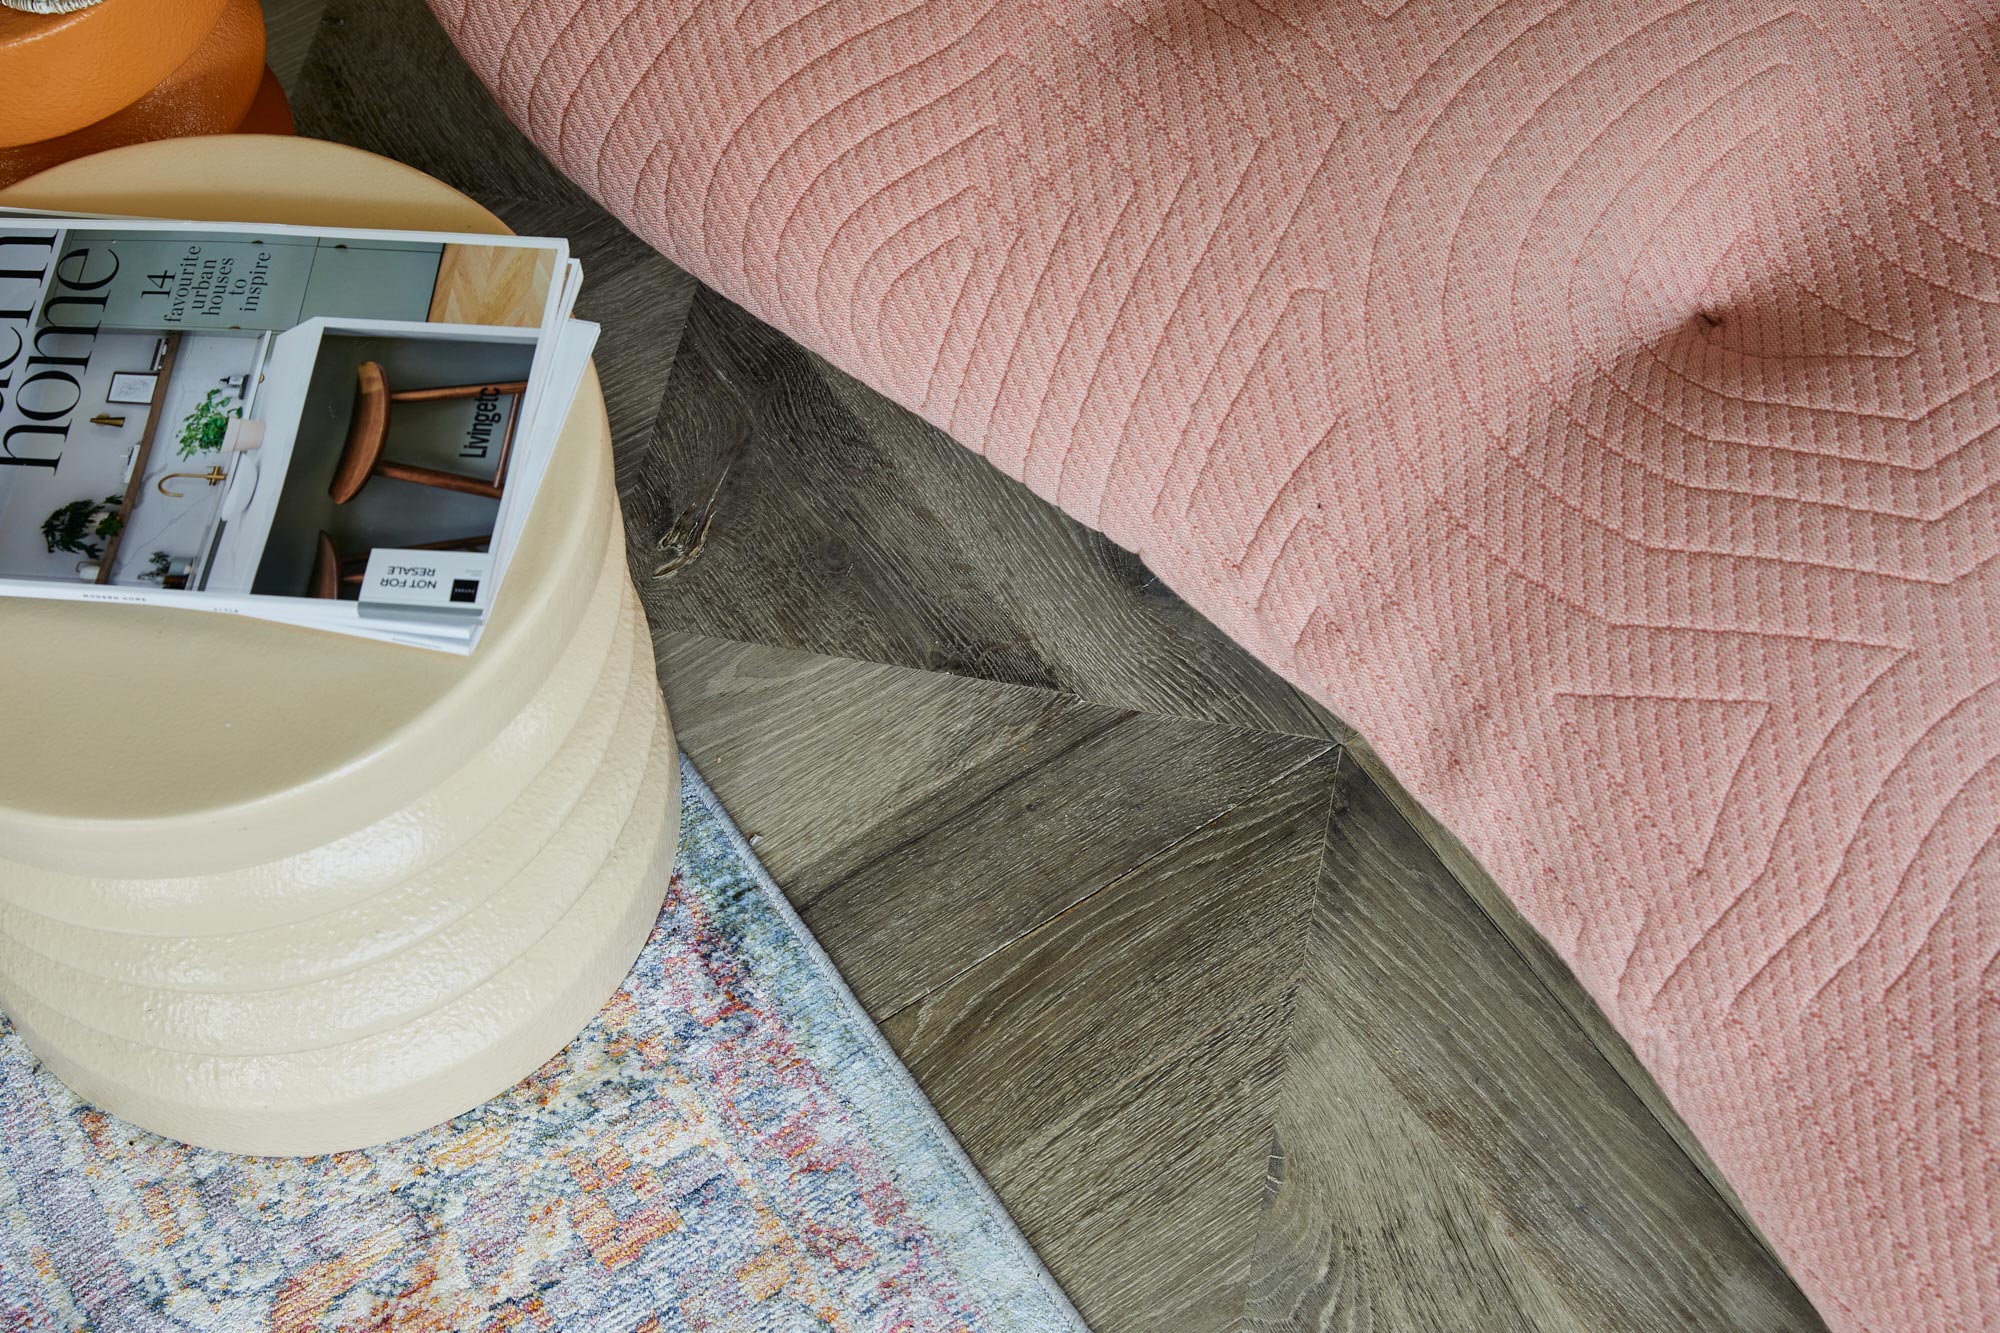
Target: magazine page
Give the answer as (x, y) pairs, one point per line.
(274, 420)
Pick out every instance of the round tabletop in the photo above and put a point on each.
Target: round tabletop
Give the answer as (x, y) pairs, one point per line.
(143, 736)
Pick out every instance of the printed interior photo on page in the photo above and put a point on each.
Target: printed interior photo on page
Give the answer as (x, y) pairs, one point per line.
(223, 419)
(436, 415)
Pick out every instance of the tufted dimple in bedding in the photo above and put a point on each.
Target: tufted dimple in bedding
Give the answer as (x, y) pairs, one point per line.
(1598, 405)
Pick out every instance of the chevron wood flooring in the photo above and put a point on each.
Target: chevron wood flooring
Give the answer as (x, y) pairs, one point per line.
(1240, 1036)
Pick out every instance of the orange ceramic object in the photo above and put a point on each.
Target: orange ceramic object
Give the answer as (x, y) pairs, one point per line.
(62, 72)
(211, 92)
(269, 113)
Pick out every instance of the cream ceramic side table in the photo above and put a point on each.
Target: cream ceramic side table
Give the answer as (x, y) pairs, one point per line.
(276, 891)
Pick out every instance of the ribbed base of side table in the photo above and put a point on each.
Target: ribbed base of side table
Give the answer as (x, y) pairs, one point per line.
(404, 1001)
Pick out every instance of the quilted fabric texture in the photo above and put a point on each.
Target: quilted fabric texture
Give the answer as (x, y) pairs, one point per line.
(1596, 404)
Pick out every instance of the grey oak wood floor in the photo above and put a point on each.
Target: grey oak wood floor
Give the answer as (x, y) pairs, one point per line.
(1243, 1039)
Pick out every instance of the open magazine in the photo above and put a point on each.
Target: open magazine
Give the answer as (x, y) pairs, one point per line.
(338, 429)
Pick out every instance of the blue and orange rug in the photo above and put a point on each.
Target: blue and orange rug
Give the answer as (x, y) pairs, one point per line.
(730, 1145)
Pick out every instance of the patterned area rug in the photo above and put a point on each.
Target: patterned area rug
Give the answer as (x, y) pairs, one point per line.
(730, 1145)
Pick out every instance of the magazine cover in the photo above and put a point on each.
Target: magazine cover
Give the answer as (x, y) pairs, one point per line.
(338, 428)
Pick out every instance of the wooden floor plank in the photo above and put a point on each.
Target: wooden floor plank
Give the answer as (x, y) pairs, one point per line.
(844, 525)
(1113, 1071)
(1043, 802)
(1549, 969)
(289, 29)
(1365, 1225)
(813, 755)
(1143, 1202)
(1539, 1128)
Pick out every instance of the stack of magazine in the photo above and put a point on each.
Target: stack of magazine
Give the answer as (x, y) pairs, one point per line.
(342, 430)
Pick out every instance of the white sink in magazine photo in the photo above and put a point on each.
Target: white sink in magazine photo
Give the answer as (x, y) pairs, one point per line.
(242, 487)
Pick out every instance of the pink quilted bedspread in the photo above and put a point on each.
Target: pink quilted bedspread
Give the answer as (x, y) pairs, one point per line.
(1598, 405)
